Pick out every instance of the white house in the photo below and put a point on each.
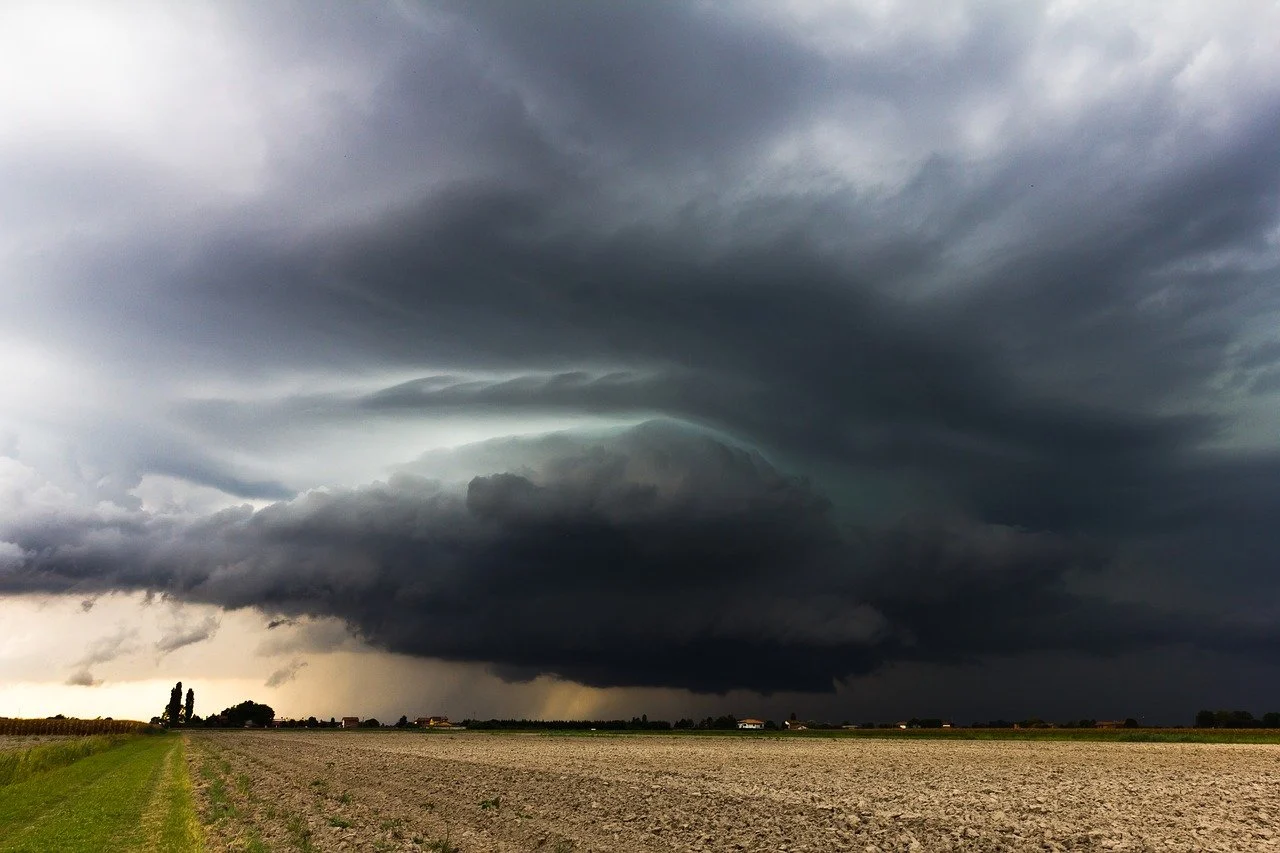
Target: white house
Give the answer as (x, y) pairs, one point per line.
(750, 724)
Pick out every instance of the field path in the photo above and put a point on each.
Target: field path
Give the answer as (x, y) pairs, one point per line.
(524, 793)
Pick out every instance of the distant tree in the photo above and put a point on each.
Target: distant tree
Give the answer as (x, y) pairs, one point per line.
(371, 723)
(172, 715)
(403, 722)
(1234, 720)
(1205, 719)
(926, 723)
(1130, 723)
(190, 707)
(312, 722)
(247, 711)
(1271, 720)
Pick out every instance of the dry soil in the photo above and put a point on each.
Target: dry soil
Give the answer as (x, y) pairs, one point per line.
(488, 792)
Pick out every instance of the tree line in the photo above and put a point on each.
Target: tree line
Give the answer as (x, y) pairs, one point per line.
(1207, 719)
(178, 713)
(181, 714)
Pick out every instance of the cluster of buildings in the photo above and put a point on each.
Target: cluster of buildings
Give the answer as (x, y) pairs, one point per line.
(420, 722)
(439, 722)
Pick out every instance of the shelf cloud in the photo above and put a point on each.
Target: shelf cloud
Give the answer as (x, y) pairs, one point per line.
(650, 344)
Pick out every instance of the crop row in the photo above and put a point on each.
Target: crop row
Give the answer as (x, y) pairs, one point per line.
(9, 727)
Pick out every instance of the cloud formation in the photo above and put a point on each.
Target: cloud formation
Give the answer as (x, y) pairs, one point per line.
(655, 556)
(179, 633)
(991, 291)
(285, 674)
(102, 650)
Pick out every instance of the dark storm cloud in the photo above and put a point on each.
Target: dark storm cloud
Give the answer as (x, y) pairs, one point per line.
(1026, 372)
(652, 557)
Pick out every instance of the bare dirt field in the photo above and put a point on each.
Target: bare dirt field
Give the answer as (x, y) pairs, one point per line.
(502, 792)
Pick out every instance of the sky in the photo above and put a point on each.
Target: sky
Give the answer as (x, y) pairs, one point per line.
(860, 360)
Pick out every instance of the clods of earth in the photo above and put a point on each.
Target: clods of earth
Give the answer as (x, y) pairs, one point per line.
(472, 792)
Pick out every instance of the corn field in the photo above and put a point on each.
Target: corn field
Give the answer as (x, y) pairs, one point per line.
(10, 727)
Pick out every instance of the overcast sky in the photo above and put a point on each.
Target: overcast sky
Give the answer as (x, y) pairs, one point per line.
(863, 360)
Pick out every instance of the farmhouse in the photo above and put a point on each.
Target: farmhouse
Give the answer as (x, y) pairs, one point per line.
(434, 722)
(350, 722)
(749, 723)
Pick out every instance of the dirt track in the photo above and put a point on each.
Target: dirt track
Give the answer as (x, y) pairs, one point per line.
(412, 791)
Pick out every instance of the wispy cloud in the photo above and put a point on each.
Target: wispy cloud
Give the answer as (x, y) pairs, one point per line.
(179, 633)
(285, 674)
(103, 650)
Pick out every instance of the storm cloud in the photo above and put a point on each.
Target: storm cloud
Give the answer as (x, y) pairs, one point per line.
(833, 338)
(732, 574)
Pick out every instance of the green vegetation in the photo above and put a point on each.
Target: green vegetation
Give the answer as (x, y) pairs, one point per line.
(227, 804)
(133, 795)
(20, 765)
(300, 834)
(443, 845)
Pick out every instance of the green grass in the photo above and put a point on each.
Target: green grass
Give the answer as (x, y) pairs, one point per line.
(21, 765)
(300, 834)
(134, 796)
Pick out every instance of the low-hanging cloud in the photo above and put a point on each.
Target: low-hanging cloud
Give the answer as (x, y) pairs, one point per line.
(285, 674)
(102, 650)
(657, 556)
(179, 633)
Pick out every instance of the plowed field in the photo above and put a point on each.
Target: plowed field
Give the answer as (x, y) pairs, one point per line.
(489, 792)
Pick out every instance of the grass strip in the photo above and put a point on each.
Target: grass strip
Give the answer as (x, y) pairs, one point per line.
(103, 802)
(170, 823)
(20, 765)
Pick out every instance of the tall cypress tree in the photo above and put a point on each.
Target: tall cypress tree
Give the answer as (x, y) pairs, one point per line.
(191, 705)
(173, 711)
